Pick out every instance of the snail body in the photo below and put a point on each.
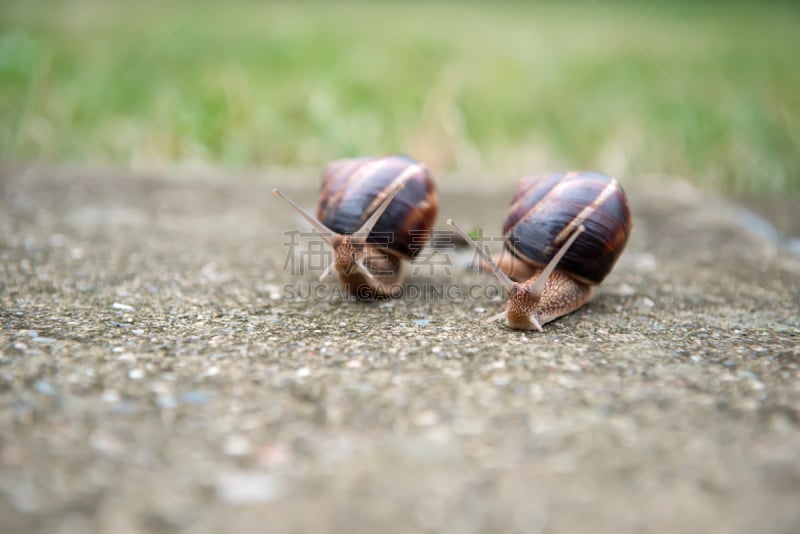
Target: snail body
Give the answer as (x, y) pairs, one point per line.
(563, 233)
(376, 213)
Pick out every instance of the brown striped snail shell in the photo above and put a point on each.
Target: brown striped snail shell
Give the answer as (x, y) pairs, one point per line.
(563, 234)
(377, 213)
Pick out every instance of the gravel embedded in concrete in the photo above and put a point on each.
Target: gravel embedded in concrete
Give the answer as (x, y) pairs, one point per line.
(154, 376)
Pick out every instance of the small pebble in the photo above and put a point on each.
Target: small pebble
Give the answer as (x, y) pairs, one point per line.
(45, 388)
(625, 290)
(110, 395)
(194, 397)
(247, 487)
(426, 418)
(645, 303)
(645, 262)
(136, 374)
(166, 402)
(273, 456)
(237, 445)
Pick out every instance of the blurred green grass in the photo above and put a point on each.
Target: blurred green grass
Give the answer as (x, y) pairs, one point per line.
(706, 91)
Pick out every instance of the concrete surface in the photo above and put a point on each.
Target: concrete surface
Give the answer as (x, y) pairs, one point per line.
(153, 378)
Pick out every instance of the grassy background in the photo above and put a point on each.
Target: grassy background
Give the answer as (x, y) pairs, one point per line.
(709, 91)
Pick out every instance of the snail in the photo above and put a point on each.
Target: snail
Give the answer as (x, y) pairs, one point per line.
(562, 235)
(376, 213)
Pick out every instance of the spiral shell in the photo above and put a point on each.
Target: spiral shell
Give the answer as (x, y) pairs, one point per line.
(546, 210)
(353, 188)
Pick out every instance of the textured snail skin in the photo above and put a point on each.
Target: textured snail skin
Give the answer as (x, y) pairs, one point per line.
(562, 295)
(387, 272)
(370, 253)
